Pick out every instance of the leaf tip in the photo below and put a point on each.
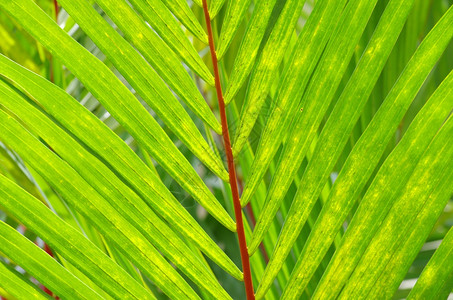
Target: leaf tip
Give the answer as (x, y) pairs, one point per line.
(253, 247)
(239, 142)
(245, 197)
(228, 97)
(220, 52)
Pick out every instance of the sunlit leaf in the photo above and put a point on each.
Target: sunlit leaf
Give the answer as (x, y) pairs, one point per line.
(18, 286)
(436, 276)
(43, 267)
(263, 73)
(78, 121)
(69, 243)
(114, 148)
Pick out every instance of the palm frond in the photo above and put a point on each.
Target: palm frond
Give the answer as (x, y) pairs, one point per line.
(118, 178)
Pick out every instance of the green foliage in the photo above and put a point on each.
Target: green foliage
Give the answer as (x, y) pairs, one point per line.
(112, 161)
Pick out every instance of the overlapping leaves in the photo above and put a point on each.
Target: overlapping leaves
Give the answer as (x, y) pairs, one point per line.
(320, 81)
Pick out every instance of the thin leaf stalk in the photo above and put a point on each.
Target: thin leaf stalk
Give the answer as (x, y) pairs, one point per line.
(57, 9)
(231, 168)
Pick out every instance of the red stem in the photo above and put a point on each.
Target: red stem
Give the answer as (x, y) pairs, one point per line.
(55, 5)
(231, 168)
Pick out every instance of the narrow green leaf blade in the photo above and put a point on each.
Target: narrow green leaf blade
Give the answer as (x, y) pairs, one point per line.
(163, 22)
(234, 15)
(370, 148)
(334, 136)
(245, 161)
(182, 11)
(315, 103)
(69, 243)
(394, 272)
(117, 99)
(109, 222)
(198, 2)
(434, 278)
(214, 7)
(42, 266)
(108, 185)
(117, 154)
(396, 170)
(423, 198)
(264, 71)
(245, 59)
(143, 78)
(16, 285)
(311, 43)
(157, 53)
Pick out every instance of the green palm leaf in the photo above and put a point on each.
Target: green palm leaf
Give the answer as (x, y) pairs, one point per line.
(19, 249)
(311, 42)
(115, 157)
(94, 207)
(436, 277)
(69, 242)
(418, 201)
(403, 158)
(315, 103)
(263, 72)
(111, 188)
(166, 64)
(250, 44)
(154, 12)
(18, 285)
(47, 96)
(127, 109)
(235, 13)
(182, 11)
